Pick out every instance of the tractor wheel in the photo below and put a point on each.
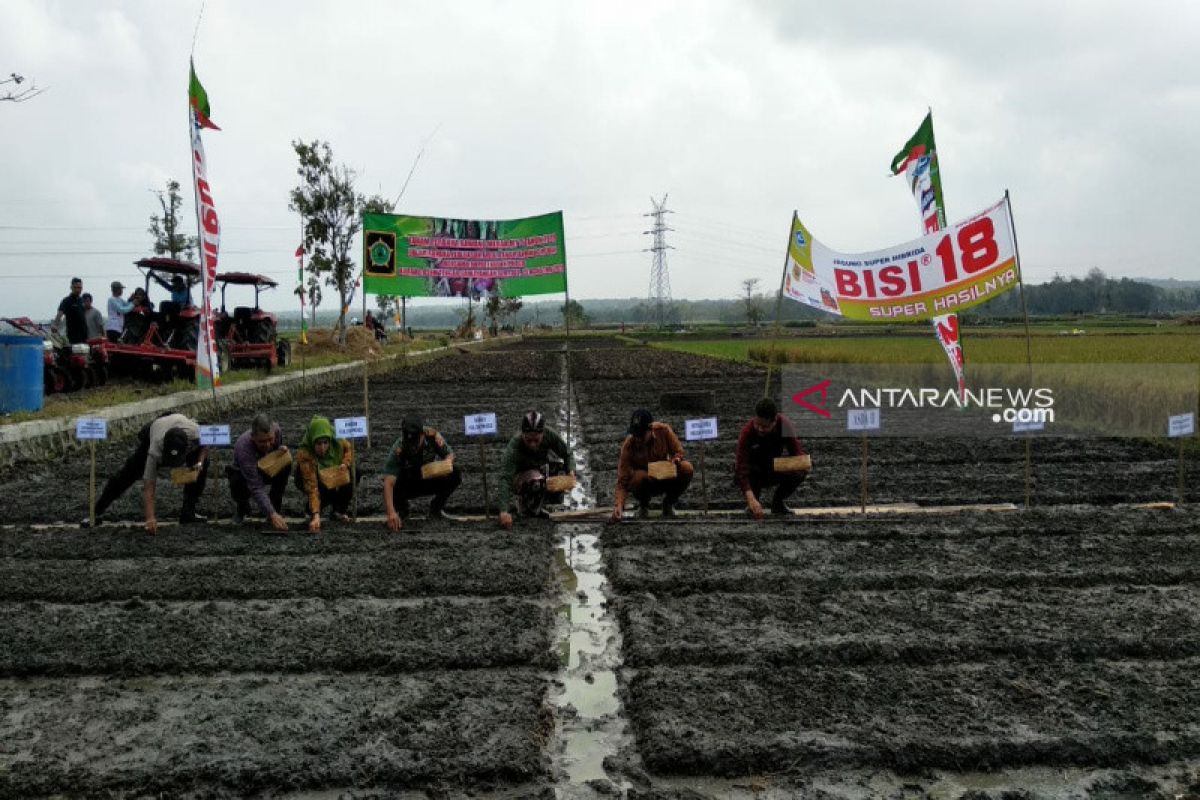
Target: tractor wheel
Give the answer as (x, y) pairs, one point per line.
(55, 380)
(75, 379)
(89, 377)
(101, 371)
(262, 332)
(283, 352)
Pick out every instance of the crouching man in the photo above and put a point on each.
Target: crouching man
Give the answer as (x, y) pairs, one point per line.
(650, 443)
(171, 441)
(763, 439)
(421, 464)
(261, 466)
(529, 459)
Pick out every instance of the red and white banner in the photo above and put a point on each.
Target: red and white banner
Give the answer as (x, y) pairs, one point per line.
(207, 372)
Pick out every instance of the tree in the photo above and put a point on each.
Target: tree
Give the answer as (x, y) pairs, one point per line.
(332, 213)
(389, 307)
(574, 314)
(16, 95)
(499, 309)
(168, 240)
(753, 301)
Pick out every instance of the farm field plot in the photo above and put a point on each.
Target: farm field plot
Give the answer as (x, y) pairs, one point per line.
(943, 471)
(1039, 653)
(900, 657)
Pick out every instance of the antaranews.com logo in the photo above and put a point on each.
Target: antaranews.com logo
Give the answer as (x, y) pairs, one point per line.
(1007, 404)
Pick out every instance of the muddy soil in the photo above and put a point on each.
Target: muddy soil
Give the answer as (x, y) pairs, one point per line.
(899, 657)
(1145, 548)
(213, 661)
(1049, 653)
(242, 735)
(611, 383)
(751, 719)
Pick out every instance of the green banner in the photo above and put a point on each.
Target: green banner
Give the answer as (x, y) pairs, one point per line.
(440, 257)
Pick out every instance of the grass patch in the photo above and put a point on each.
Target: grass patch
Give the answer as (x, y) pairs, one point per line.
(320, 353)
(1175, 347)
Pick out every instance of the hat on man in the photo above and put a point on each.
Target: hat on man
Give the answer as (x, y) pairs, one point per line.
(639, 422)
(412, 427)
(116, 285)
(175, 447)
(533, 422)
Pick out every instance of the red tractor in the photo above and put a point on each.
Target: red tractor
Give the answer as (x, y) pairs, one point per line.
(250, 335)
(162, 343)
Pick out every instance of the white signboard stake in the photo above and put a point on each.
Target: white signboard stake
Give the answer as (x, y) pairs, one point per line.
(1178, 427)
(90, 430)
(864, 419)
(482, 425)
(352, 428)
(702, 431)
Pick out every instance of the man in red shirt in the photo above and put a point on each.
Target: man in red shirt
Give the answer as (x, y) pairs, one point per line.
(649, 441)
(766, 437)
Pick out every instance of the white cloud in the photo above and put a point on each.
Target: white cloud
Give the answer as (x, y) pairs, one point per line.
(742, 112)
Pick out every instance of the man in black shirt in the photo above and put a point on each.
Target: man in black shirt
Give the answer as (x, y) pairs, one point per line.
(72, 309)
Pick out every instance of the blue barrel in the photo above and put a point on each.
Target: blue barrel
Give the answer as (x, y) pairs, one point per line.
(20, 374)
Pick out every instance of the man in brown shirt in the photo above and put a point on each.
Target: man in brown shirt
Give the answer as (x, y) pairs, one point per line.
(649, 441)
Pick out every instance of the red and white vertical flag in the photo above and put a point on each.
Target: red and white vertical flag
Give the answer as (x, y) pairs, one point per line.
(919, 162)
(208, 373)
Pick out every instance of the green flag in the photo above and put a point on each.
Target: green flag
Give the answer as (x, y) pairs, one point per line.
(919, 145)
(198, 98)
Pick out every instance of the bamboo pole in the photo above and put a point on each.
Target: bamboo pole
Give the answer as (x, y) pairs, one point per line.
(778, 308)
(1012, 226)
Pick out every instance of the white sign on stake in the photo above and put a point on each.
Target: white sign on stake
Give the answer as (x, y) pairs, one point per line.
(699, 430)
(1028, 426)
(1181, 425)
(863, 419)
(214, 435)
(91, 428)
(350, 427)
(480, 424)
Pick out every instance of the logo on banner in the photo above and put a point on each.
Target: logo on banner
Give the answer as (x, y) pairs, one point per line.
(381, 253)
(821, 388)
(800, 240)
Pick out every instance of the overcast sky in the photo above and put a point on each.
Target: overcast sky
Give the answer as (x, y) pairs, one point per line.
(1087, 112)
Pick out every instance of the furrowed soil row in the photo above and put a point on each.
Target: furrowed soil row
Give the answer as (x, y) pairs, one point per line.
(238, 735)
(917, 626)
(808, 565)
(450, 539)
(139, 637)
(488, 572)
(746, 720)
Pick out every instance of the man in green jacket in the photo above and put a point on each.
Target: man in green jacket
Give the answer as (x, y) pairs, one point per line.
(417, 447)
(530, 457)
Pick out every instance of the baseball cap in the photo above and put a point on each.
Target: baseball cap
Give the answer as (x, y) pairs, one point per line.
(175, 447)
(412, 426)
(118, 285)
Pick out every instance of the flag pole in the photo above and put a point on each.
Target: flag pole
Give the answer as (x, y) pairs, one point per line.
(366, 357)
(1012, 226)
(779, 307)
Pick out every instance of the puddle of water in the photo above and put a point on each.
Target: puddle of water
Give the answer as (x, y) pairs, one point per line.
(591, 724)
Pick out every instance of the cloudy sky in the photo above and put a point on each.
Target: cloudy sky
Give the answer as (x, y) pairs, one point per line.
(1087, 112)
